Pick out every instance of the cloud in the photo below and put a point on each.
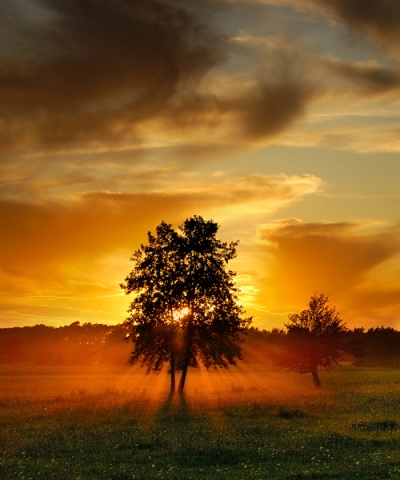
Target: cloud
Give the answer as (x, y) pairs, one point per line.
(343, 260)
(270, 109)
(89, 73)
(366, 78)
(97, 68)
(42, 239)
(378, 19)
(239, 116)
(374, 77)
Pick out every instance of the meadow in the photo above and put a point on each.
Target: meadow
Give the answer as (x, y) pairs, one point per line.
(250, 422)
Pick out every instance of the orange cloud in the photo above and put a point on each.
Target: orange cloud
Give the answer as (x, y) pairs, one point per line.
(338, 259)
(99, 222)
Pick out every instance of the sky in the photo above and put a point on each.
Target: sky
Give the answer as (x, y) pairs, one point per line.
(277, 119)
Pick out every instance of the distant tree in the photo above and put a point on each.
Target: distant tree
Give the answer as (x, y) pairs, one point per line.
(185, 307)
(315, 338)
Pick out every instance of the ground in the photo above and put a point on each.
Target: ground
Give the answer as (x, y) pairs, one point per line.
(109, 423)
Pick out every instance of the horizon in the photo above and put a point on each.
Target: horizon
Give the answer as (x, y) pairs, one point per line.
(273, 330)
(277, 119)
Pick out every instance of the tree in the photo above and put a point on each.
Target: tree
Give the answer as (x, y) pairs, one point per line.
(185, 307)
(315, 338)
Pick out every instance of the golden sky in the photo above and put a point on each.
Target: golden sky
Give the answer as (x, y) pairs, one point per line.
(278, 119)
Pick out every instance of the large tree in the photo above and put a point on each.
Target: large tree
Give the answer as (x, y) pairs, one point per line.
(185, 308)
(315, 338)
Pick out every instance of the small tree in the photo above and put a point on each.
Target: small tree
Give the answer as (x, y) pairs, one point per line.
(315, 338)
(185, 307)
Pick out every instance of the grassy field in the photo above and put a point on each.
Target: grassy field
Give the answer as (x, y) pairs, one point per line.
(247, 423)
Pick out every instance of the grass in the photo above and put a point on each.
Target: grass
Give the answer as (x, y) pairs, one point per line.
(248, 423)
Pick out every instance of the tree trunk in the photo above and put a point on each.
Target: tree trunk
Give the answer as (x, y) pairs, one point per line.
(317, 381)
(185, 365)
(172, 372)
(188, 343)
(183, 378)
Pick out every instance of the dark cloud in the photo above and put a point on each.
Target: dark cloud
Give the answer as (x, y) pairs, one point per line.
(191, 109)
(270, 109)
(256, 113)
(98, 68)
(377, 18)
(369, 78)
(87, 72)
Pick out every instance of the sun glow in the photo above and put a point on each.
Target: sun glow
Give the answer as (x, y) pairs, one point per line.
(180, 313)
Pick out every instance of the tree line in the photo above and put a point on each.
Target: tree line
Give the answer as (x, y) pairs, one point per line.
(74, 344)
(90, 343)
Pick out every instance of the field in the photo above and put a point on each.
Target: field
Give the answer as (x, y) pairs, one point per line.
(246, 423)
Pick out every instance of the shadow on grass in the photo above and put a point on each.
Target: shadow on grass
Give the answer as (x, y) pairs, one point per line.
(194, 441)
(174, 411)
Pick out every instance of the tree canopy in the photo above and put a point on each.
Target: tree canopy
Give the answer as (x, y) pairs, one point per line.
(184, 309)
(316, 339)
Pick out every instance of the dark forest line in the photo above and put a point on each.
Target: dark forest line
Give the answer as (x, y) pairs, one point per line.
(81, 344)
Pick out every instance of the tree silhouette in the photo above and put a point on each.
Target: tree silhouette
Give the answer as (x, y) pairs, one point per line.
(315, 338)
(185, 307)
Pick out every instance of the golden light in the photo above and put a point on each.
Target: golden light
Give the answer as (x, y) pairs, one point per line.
(180, 313)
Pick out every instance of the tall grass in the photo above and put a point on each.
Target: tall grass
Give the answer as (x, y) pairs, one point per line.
(247, 423)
